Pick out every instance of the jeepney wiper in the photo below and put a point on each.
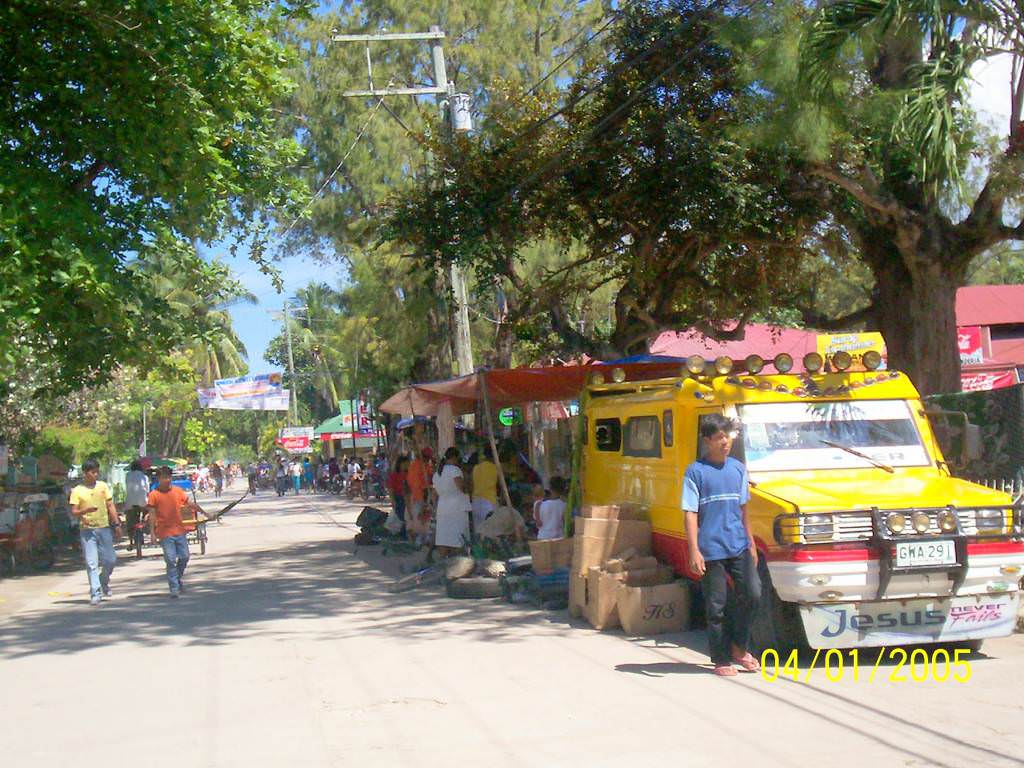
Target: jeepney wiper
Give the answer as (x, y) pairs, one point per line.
(857, 453)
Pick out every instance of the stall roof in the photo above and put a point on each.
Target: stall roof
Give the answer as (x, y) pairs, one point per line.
(512, 386)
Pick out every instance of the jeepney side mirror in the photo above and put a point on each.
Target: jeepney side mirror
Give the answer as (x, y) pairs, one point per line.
(972, 449)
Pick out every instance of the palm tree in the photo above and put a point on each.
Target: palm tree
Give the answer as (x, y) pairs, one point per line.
(215, 351)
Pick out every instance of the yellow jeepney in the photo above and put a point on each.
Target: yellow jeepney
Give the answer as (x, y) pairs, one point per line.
(866, 539)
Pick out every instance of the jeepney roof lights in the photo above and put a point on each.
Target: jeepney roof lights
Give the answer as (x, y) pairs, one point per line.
(704, 395)
(842, 360)
(695, 365)
(733, 380)
(723, 365)
(856, 384)
(749, 384)
(782, 388)
(830, 391)
(754, 364)
(947, 520)
(800, 392)
(921, 522)
(872, 359)
(765, 386)
(896, 522)
(596, 379)
(783, 363)
(813, 362)
(618, 375)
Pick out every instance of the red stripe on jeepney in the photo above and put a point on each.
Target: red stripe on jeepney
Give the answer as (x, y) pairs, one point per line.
(996, 548)
(826, 554)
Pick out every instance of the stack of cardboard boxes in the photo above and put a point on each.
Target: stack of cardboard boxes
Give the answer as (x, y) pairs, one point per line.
(615, 581)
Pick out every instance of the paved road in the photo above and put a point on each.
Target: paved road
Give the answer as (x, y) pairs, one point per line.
(287, 651)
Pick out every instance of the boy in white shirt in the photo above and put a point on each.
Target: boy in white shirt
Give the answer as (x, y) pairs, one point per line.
(551, 512)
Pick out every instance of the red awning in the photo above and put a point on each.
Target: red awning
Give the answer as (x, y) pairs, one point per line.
(513, 386)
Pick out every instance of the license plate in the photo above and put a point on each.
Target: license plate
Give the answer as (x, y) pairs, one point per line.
(915, 553)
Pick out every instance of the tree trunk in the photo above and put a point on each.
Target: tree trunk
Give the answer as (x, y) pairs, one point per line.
(916, 314)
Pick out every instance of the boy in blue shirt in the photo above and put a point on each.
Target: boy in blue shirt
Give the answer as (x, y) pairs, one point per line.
(715, 495)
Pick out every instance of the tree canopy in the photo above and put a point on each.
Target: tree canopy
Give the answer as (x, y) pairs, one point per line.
(130, 130)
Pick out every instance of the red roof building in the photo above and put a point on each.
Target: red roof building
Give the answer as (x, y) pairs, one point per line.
(990, 319)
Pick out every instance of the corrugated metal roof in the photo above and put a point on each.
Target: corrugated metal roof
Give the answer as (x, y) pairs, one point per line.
(990, 305)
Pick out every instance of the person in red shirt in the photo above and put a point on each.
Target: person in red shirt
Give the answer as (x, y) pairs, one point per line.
(163, 508)
(418, 480)
(399, 487)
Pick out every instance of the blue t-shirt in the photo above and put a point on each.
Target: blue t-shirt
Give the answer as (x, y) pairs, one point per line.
(715, 493)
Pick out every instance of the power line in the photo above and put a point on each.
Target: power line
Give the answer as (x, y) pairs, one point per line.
(334, 173)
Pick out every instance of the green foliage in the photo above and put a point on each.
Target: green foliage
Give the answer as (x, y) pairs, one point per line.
(200, 438)
(130, 129)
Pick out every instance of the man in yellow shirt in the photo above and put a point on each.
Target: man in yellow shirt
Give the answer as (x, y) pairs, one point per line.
(93, 505)
(485, 487)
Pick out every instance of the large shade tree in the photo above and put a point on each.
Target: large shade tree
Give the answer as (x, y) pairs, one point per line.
(873, 94)
(635, 172)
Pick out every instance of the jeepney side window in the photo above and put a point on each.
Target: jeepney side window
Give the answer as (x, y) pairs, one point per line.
(737, 451)
(608, 434)
(666, 420)
(643, 437)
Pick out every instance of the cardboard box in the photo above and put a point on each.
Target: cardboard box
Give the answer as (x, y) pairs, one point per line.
(602, 599)
(618, 564)
(654, 610)
(615, 512)
(647, 577)
(551, 554)
(591, 549)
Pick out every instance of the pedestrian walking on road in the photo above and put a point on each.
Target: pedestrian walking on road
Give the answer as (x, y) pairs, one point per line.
(715, 496)
(92, 505)
(136, 485)
(253, 474)
(164, 510)
(217, 473)
(295, 470)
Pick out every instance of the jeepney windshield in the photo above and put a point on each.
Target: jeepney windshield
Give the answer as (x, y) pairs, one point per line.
(792, 436)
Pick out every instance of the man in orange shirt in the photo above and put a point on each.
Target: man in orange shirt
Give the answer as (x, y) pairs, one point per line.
(163, 506)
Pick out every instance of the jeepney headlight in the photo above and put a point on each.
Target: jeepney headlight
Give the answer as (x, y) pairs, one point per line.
(783, 363)
(817, 527)
(842, 360)
(896, 522)
(990, 520)
(921, 522)
(723, 365)
(695, 365)
(813, 362)
(947, 521)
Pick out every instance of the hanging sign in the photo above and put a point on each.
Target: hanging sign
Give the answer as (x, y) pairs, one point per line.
(259, 392)
(510, 416)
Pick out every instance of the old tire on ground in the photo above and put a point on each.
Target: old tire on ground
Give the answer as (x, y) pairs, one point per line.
(458, 566)
(493, 568)
(777, 625)
(474, 587)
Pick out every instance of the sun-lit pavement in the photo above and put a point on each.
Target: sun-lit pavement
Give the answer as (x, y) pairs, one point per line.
(288, 651)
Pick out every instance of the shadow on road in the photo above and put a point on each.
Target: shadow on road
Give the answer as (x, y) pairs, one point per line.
(264, 592)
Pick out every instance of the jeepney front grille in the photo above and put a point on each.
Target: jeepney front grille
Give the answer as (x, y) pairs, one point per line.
(858, 525)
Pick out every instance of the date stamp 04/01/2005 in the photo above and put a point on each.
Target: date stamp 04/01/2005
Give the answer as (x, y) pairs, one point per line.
(917, 665)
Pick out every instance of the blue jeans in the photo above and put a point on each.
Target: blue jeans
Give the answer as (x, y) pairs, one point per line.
(100, 558)
(175, 558)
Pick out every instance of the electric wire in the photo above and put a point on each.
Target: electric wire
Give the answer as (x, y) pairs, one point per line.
(355, 142)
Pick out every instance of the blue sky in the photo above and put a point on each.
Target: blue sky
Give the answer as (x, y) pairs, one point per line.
(254, 323)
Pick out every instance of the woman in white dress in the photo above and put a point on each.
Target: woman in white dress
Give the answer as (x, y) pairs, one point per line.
(453, 505)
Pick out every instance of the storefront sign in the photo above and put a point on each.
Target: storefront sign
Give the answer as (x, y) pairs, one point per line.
(969, 342)
(296, 439)
(854, 343)
(510, 416)
(982, 382)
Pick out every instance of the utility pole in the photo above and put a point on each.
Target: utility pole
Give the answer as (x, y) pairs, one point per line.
(457, 119)
(291, 366)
